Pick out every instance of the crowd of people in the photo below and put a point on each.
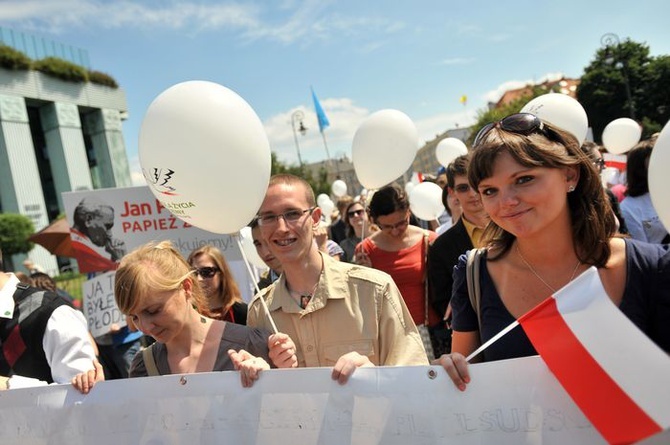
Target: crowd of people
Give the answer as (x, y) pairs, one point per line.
(528, 198)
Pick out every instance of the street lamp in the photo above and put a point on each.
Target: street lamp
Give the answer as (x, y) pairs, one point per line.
(610, 42)
(297, 117)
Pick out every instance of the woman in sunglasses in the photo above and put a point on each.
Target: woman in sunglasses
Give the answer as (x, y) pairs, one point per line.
(550, 221)
(355, 222)
(218, 283)
(399, 249)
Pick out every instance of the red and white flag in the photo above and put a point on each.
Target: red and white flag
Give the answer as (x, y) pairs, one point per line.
(616, 375)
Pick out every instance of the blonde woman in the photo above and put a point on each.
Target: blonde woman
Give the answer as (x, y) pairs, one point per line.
(157, 289)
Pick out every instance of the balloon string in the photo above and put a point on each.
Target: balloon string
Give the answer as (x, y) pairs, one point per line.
(251, 274)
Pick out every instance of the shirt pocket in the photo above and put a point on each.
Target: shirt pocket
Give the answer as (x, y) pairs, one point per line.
(333, 351)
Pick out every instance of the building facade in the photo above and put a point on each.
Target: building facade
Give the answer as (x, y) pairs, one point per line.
(57, 136)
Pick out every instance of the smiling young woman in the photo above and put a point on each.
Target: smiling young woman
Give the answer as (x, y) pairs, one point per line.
(550, 221)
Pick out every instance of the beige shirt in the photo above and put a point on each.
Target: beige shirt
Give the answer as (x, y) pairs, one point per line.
(354, 308)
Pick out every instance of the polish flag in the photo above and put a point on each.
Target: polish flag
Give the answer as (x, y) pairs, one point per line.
(616, 375)
(616, 161)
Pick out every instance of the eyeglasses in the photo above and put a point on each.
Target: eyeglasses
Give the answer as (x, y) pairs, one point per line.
(520, 123)
(353, 213)
(290, 216)
(462, 188)
(391, 227)
(206, 272)
(600, 164)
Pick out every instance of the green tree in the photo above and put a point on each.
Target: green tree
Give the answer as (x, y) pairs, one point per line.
(319, 185)
(623, 70)
(14, 232)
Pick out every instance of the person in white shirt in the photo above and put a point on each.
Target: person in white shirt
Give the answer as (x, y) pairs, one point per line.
(43, 339)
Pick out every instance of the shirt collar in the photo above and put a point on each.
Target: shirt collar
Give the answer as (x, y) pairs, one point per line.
(7, 296)
(331, 285)
(474, 232)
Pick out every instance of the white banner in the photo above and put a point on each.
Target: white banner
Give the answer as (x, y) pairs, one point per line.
(139, 218)
(508, 402)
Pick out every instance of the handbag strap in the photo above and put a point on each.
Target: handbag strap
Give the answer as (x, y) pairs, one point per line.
(425, 277)
(149, 361)
(472, 279)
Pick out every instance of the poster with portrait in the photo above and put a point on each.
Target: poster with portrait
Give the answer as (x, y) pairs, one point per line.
(105, 224)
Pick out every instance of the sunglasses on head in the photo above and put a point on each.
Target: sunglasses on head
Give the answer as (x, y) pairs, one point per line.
(520, 123)
(353, 213)
(206, 272)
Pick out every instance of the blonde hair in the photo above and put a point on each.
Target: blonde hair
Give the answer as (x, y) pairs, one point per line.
(228, 292)
(154, 267)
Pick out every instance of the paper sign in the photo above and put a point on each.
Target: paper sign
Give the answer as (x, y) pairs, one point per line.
(99, 305)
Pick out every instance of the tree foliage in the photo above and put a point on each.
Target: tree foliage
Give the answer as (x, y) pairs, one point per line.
(14, 232)
(319, 184)
(620, 70)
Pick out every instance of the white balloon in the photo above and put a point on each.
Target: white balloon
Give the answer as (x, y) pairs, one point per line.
(384, 147)
(408, 187)
(205, 155)
(339, 188)
(621, 135)
(327, 208)
(250, 251)
(321, 199)
(659, 179)
(449, 149)
(425, 201)
(562, 111)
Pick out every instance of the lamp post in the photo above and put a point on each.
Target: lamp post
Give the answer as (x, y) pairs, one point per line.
(297, 117)
(610, 42)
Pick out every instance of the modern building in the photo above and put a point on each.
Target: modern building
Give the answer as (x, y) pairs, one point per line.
(56, 136)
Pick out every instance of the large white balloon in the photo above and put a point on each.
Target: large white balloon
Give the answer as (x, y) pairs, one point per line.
(205, 155)
(621, 135)
(562, 111)
(250, 251)
(425, 201)
(659, 179)
(384, 147)
(339, 188)
(449, 149)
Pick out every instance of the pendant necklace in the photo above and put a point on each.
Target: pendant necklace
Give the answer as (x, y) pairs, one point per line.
(574, 272)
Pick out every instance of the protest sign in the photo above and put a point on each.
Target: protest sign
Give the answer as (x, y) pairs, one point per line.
(108, 223)
(99, 305)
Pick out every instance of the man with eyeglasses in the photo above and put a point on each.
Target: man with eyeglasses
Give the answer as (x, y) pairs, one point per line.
(462, 236)
(338, 314)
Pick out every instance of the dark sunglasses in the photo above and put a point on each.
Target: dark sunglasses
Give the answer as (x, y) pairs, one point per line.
(600, 164)
(353, 213)
(206, 272)
(520, 123)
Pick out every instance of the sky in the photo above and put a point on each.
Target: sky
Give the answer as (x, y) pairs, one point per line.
(419, 57)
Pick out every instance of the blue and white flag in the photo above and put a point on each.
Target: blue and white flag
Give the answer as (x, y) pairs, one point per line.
(320, 114)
